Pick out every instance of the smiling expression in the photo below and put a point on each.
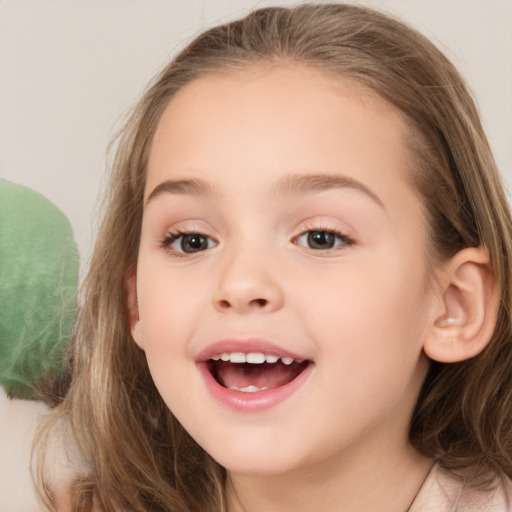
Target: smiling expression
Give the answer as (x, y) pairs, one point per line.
(282, 286)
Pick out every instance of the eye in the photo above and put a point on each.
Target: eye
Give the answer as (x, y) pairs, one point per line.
(323, 240)
(188, 243)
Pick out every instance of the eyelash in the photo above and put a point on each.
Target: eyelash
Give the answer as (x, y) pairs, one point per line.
(344, 240)
(174, 236)
(341, 239)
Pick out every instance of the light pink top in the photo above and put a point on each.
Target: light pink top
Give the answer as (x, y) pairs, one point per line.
(442, 492)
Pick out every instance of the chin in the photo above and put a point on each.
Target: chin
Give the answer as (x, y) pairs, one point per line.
(256, 459)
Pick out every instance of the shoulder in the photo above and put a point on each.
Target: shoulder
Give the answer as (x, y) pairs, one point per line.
(443, 492)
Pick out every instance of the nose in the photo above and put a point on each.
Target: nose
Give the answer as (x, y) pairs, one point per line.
(248, 284)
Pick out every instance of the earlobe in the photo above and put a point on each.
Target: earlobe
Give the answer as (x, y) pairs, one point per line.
(467, 308)
(133, 307)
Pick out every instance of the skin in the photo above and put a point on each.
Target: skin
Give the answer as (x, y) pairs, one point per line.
(360, 312)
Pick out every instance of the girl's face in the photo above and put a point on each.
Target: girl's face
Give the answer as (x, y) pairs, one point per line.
(279, 225)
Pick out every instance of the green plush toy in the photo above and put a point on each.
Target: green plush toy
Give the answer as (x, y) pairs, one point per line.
(38, 280)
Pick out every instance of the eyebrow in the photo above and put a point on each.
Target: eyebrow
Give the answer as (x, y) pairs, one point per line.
(291, 184)
(310, 183)
(181, 187)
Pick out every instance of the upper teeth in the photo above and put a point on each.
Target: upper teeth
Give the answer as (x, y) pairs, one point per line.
(252, 358)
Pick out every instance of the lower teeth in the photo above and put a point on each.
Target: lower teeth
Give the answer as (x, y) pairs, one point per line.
(248, 389)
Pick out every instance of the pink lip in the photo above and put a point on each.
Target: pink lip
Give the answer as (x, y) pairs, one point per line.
(250, 402)
(246, 346)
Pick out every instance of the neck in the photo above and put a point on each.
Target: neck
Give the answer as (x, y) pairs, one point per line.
(383, 482)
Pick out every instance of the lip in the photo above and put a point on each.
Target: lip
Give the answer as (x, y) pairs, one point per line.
(250, 402)
(246, 346)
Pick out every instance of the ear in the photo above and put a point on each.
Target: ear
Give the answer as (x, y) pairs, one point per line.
(133, 307)
(466, 310)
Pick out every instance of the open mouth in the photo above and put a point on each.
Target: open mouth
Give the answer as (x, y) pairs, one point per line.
(254, 371)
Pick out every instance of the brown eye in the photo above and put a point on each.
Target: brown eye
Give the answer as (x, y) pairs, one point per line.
(188, 243)
(193, 243)
(322, 240)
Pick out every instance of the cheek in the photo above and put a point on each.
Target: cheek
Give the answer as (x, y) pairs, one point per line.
(167, 297)
(369, 315)
(369, 344)
(170, 308)
(167, 321)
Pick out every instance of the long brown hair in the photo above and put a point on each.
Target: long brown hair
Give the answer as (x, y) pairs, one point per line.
(136, 455)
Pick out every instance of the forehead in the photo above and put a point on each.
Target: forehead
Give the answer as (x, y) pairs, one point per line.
(283, 118)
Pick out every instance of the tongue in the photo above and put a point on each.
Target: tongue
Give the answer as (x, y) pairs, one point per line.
(266, 375)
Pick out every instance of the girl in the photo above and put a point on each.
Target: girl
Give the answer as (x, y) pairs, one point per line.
(300, 295)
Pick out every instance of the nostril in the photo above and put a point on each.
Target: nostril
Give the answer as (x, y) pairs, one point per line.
(259, 303)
